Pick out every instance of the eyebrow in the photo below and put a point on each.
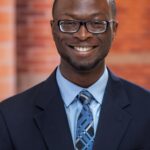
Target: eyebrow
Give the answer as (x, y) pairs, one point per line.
(92, 15)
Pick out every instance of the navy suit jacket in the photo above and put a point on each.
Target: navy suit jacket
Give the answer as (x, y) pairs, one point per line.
(36, 119)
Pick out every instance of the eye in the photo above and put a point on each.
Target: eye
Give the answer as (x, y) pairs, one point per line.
(97, 24)
(68, 23)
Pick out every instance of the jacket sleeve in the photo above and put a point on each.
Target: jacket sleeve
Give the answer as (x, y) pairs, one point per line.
(5, 140)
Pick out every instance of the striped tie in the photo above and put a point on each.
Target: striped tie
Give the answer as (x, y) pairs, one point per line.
(85, 129)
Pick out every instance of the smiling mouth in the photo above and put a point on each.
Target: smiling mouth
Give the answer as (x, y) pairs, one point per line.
(83, 48)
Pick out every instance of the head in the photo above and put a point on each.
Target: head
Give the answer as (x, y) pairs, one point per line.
(111, 3)
(84, 51)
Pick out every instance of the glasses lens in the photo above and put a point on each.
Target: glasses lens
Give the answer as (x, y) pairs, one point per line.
(68, 26)
(96, 26)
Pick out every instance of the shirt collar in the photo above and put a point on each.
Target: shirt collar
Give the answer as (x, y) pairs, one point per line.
(70, 90)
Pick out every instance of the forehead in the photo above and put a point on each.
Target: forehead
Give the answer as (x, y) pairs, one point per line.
(80, 8)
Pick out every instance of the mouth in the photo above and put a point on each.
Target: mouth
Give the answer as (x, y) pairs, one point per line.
(83, 48)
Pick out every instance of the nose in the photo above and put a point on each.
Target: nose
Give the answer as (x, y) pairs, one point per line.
(83, 34)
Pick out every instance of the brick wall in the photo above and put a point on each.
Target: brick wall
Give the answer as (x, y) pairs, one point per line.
(37, 56)
(7, 48)
(36, 53)
(130, 55)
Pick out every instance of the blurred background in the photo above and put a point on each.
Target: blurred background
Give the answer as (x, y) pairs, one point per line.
(28, 54)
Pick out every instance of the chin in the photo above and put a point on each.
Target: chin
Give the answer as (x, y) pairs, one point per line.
(87, 67)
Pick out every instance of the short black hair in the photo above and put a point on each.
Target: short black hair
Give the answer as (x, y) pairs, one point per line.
(112, 4)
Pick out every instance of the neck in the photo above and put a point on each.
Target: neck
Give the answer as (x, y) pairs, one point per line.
(83, 78)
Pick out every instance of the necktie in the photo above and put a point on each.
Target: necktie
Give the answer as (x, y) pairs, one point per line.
(85, 129)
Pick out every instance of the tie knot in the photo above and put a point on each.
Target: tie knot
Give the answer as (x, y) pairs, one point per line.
(85, 97)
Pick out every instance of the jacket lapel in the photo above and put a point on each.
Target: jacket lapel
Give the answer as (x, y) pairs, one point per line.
(50, 117)
(114, 118)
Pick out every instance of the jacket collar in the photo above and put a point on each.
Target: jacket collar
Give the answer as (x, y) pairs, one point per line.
(51, 119)
(114, 116)
(50, 116)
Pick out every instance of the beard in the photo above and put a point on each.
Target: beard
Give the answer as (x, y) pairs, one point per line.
(83, 66)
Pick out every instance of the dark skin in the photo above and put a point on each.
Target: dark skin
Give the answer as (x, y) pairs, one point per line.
(82, 68)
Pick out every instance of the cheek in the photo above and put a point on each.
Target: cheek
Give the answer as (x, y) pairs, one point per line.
(59, 38)
(106, 40)
(60, 41)
(56, 35)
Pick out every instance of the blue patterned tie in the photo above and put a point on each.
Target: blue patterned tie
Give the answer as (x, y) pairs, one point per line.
(85, 126)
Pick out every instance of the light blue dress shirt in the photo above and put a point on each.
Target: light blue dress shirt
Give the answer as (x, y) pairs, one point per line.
(73, 108)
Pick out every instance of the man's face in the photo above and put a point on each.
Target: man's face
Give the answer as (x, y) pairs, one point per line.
(82, 51)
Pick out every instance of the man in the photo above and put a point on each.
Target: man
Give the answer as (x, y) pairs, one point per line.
(82, 105)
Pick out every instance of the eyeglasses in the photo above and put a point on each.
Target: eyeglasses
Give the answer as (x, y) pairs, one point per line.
(93, 26)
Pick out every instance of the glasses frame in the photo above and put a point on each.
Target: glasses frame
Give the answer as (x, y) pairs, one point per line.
(83, 23)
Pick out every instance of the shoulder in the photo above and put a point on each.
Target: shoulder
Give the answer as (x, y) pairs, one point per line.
(21, 101)
(137, 96)
(129, 87)
(135, 90)
(25, 102)
(28, 97)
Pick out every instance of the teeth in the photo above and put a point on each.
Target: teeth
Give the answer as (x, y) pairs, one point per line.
(82, 49)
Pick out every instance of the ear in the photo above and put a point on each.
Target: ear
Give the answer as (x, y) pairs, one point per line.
(114, 29)
(51, 23)
(115, 26)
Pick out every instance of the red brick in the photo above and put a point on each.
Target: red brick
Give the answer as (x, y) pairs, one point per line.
(5, 18)
(138, 74)
(6, 90)
(4, 3)
(6, 34)
(7, 52)
(37, 55)
(134, 24)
